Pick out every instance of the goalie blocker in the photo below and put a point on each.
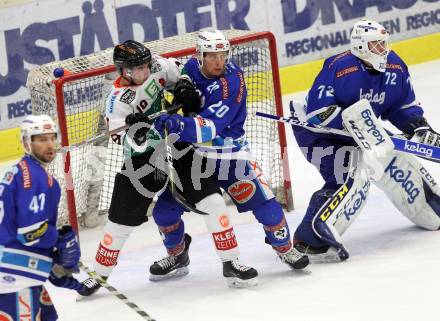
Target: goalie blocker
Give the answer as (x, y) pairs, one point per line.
(405, 181)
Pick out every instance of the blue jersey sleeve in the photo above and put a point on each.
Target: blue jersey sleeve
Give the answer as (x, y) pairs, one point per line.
(225, 105)
(322, 103)
(408, 107)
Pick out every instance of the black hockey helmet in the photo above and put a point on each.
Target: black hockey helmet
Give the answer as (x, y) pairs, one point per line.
(130, 54)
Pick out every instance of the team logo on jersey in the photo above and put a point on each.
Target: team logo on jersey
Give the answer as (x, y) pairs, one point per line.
(242, 191)
(152, 89)
(372, 97)
(5, 316)
(128, 96)
(223, 220)
(213, 87)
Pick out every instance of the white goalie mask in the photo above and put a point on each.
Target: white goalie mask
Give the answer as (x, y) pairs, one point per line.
(369, 42)
(36, 125)
(211, 41)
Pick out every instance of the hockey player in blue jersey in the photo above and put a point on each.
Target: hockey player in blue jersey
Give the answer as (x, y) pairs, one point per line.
(371, 71)
(32, 250)
(216, 130)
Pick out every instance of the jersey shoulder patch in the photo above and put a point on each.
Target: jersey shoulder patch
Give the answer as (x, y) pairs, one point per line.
(26, 173)
(127, 96)
(9, 175)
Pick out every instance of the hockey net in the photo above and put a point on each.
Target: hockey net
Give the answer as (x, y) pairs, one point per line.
(76, 101)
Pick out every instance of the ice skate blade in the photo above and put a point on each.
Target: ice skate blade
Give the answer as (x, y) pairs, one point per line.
(237, 283)
(177, 273)
(331, 256)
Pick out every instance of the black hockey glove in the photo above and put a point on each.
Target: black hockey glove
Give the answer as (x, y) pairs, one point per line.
(419, 131)
(140, 135)
(137, 118)
(185, 94)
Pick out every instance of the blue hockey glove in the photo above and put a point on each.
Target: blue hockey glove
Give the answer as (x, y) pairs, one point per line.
(67, 252)
(68, 282)
(172, 123)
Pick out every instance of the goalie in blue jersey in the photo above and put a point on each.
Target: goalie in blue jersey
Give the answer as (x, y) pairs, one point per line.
(370, 71)
(214, 124)
(32, 249)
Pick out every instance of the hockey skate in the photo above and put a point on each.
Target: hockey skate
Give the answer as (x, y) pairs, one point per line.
(172, 266)
(294, 259)
(324, 254)
(238, 275)
(90, 287)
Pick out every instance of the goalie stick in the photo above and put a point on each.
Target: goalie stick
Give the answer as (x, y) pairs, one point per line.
(102, 136)
(431, 153)
(115, 292)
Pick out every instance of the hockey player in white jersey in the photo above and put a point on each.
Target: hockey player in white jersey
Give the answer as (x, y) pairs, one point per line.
(136, 94)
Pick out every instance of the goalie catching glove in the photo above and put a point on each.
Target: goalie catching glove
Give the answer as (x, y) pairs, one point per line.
(185, 94)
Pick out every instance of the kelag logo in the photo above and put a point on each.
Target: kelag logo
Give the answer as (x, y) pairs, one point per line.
(23, 45)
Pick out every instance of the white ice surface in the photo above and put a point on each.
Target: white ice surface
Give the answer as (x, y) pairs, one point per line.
(392, 275)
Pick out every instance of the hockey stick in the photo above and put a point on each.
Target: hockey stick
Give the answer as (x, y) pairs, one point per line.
(431, 153)
(107, 134)
(172, 176)
(115, 292)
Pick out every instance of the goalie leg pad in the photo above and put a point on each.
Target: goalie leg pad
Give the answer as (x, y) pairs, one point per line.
(219, 224)
(110, 246)
(167, 215)
(331, 211)
(127, 206)
(412, 190)
(271, 216)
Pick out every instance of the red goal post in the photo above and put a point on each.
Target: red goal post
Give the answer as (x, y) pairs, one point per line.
(76, 101)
